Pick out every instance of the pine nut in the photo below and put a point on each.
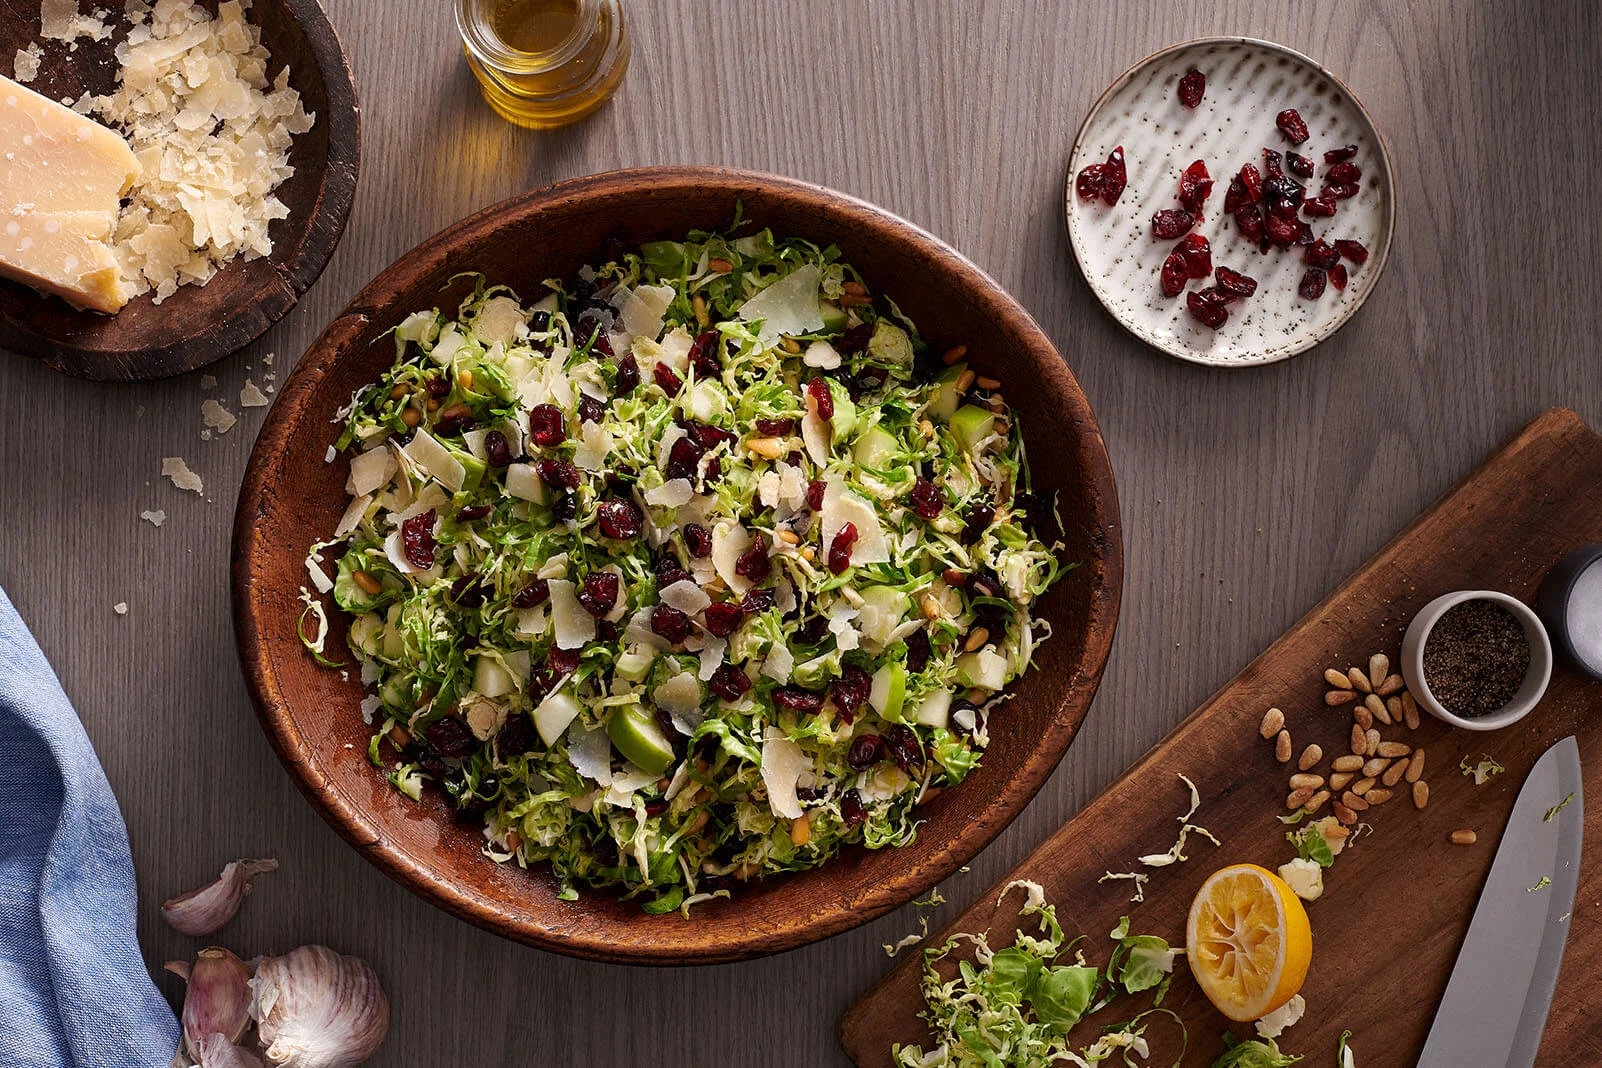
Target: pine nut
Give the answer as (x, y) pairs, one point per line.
(1298, 798)
(965, 380)
(1310, 758)
(800, 831)
(931, 606)
(698, 306)
(1378, 797)
(1394, 773)
(1394, 749)
(1363, 717)
(1315, 802)
(1376, 705)
(1379, 666)
(400, 737)
(787, 536)
(1363, 786)
(808, 553)
(790, 345)
(1273, 720)
(1372, 740)
(976, 696)
(464, 378)
(719, 265)
(1348, 763)
(1339, 697)
(432, 404)
(1354, 802)
(1415, 766)
(953, 354)
(1344, 814)
(1282, 747)
(1302, 779)
(853, 300)
(1409, 711)
(1392, 684)
(1393, 705)
(1383, 714)
(1421, 794)
(1359, 741)
(367, 582)
(1360, 681)
(1464, 837)
(1339, 780)
(411, 417)
(1337, 679)
(1373, 767)
(855, 288)
(771, 448)
(986, 382)
(977, 639)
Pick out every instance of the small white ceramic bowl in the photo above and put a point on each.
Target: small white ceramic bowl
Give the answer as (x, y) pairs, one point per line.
(1535, 679)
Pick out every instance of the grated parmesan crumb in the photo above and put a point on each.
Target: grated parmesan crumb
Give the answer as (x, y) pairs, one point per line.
(59, 20)
(155, 518)
(328, 457)
(216, 416)
(251, 397)
(173, 467)
(25, 68)
(121, 608)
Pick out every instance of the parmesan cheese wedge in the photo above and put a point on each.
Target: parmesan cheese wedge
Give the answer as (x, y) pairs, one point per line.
(60, 186)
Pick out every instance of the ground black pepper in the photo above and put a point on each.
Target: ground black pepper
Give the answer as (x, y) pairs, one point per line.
(1475, 658)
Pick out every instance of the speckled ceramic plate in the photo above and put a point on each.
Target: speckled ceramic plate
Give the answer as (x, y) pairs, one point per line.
(1248, 83)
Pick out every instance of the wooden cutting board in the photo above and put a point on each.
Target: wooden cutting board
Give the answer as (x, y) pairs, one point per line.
(1396, 905)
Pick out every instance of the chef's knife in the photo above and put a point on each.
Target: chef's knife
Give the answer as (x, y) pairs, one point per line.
(1496, 1001)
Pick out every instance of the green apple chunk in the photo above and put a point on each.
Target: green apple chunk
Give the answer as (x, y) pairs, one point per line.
(639, 739)
(945, 401)
(985, 669)
(875, 446)
(972, 425)
(889, 690)
(935, 709)
(552, 715)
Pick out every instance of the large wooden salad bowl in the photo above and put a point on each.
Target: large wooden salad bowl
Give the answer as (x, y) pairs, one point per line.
(291, 497)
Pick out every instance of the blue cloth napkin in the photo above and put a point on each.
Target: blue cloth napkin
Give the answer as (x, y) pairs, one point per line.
(74, 991)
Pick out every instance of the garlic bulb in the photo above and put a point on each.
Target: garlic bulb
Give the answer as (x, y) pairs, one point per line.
(315, 1008)
(218, 1000)
(202, 911)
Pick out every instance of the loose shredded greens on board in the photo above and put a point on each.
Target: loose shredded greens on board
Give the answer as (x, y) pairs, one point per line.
(591, 566)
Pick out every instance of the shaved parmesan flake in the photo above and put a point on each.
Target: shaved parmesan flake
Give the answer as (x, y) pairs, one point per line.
(680, 698)
(729, 540)
(788, 306)
(121, 608)
(670, 494)
(821, 354)
(1273, 1025)
(217, 417)
(641, 310)
(173, 467)
(353, 515)
(370, 470)
(251, 397)
(712, 656)
(782, 765)
(596, 442)
(59, 21)
(841, 506)
(779, 663)
(590, 751)
(155, 518)
(319, 577)
(427, 453)
(524, 484)
(574, 626)
(328, 457)
(25, 67)
(686, 596)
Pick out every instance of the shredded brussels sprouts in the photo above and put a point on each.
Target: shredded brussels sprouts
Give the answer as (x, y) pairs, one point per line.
(690, 572)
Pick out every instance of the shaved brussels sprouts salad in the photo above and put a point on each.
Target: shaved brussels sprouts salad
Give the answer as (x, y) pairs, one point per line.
(687, 573)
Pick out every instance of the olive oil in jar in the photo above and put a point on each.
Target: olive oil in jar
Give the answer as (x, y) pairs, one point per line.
(545, 63)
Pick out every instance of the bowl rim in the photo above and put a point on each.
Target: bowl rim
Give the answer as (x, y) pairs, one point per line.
(252, 621)
(1379, 260)
(1540, 669)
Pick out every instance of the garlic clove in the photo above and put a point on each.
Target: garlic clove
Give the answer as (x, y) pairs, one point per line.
(180, 968)
(218, 999)
(217, 1052)
(315, 1008)
(202, 911)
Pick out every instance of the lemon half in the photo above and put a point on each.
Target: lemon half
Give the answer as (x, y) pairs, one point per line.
(1248, 941)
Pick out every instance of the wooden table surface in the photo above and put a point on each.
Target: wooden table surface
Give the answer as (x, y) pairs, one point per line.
(1247, 494)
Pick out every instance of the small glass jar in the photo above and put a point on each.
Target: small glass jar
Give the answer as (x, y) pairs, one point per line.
(545, 63)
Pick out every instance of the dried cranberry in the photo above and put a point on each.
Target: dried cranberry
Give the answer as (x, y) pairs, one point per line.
(562, 661)
(1253, 181)
(905, 748)
(1318, 207)
(468, 591)
(773, 428)
(670, 623)
(917, 650)
(1197, 254)
(866, 751)
(1337, 275)
(852, 811)
(1235, 196)
(669, 570)
(558, 473)
(1340, 190)
(496, 449)
(1088, 183)
(546, 425)
(417, 540)
(822, 398)
(437, 387)
(710, 437)
(664, 377)
(1208, 308)
(723, 618)
(536, 592)
(619, 518)
(517, 735)
(450, 737)
(856, 339)
(1113, 177)
(926, 500)
(603, 345)
(1282, 231)
(840, 548)
(754, 563)
(704, 354)
(1249, 221)
(565, 507)
(1300, 165)
(729, 682)
(815, 491)
(1282, 187)
(1291, 125)
(598, 595)
(1191, 87)
(683, 459)
(628, 375)
(1171, 223)
(1342, 173)
(1320, 254)
(758, 599)
(1271, 163)
(1312, 286)
(472, 512)
(591, 409)
(656, 806)
(1340, 155)
(1195, 186)
(850, 690)
(1234, 284)
(979, 520)
(1352, 250)
(795, 699)
(1174, 275)
(698, 540)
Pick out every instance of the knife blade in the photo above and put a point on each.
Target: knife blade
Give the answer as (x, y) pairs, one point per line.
(1496, 1001)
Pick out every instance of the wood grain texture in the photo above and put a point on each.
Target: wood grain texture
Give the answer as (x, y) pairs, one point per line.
(1247, 495)
(1388, 926)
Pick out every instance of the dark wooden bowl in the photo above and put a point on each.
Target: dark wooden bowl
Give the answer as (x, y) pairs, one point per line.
(292, 498)
(199, 325)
